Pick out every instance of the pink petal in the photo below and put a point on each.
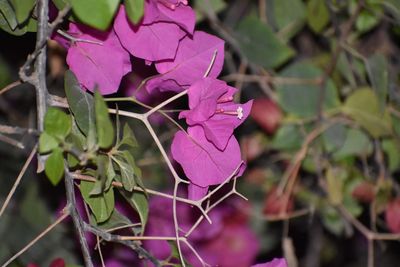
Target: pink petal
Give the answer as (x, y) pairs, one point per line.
(194, 152)
(196, 192)
(203, 96)
(274, 263)
(153, 42)
(101, 65)
(191, 62)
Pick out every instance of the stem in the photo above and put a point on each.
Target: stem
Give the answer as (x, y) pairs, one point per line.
(78, 223)
(18, 180)
(42, 234)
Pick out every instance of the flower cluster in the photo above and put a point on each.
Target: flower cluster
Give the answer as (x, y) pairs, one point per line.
(218, 244)
(209, 144)
(165, 37)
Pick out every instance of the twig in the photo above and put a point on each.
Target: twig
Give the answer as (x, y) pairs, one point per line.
(11, 141)
(42, 234)
(9, 87)
(78, 223)
(6, 129)
(18, 180)
(331, 67)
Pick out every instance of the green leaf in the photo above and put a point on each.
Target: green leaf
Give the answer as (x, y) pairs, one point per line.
(104, 126)
(80, 102)
(260, 45)
(23, 9)
(378, 73)
(363, 107)
(101, 205)
(334, 137)
(332, 220)
(317, 15)
(367, 20)
(302, 99)
(393, 7)
(95, 13)
(140, 203)
(289, 16)
(392, 148)
(357, 143)
(200, 9)
(54, 167)
(127, 174)
(8, 14)
(134, 9)
(47, 143)
(116, 220)
(57, 123)
(335, 178)
(288, 138)
(128, 137)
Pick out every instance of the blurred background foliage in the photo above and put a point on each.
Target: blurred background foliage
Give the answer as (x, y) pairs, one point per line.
(322, 143)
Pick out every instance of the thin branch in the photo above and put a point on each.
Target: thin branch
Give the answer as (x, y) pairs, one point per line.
(11, 141)
(9, 87)
(42, 234)
(18, 180)
(6, 129)
(78, 223)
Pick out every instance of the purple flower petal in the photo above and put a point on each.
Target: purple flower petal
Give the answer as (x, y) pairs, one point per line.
(191, 62)
(153, 42)
(194, 152)
(103, 64)
(211, 106)
(196, 192)
(203, 96)
(274, 263)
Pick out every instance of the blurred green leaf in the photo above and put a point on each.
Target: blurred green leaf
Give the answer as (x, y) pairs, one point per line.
(332, 220)
(288, 137)
(101, 205)
(23, 9)
(134, 9)
(260, 44)
(54, 167)
(394, 7)
(104, 126)
(335, 178)
(47, 143)
(367, 20)
(378, 72)
(289, 16)
(80, 102)
(317, 15)
(363, 107)
(302, 99)
(334, 137)
(57, 123)
(392, 148)
(200, 8)
(357, 143)
(95, 13)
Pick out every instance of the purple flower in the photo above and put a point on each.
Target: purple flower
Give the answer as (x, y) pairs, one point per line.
(102, 63)
(226, 242)
(194, 152)
(274, 263)
(211, 106)
(193, 57)
(157, 36)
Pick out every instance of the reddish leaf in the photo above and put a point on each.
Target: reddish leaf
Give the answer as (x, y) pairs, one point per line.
(267, 114)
